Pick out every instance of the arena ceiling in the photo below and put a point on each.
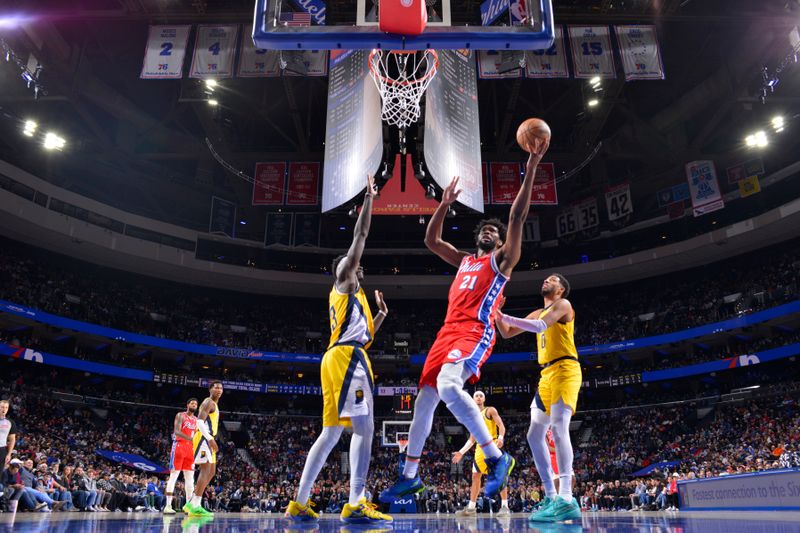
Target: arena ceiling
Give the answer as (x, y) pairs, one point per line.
(139, 144)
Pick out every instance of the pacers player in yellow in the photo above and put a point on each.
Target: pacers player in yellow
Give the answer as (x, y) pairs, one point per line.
(205, 448)
(498, 431)
(347, 382)
(557, 394)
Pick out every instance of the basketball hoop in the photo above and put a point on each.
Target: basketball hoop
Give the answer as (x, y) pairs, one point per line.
(402, 77)
(402, 444)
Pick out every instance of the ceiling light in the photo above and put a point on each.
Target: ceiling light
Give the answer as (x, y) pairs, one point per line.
(53, 142)
(593, 102)
(595, 80)
(777, 122)
(761, 139)
(213, 102)
(30, 128)
(211, 83)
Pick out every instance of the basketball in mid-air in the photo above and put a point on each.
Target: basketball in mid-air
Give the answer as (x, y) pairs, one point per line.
(532, 133)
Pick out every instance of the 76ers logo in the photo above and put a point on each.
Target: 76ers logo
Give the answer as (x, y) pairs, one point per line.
(406, 3)
(453, 355)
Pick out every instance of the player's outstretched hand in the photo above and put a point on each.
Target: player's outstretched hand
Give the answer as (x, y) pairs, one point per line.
(536, 155)
(451, 192)
(381, 303)
(457, 456)
(371, 189)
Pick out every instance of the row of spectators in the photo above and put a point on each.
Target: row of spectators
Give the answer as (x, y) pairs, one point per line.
(66, 287)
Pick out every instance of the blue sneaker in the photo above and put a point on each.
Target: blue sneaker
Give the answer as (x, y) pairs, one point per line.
(558, 511)
(404, 487)
(541, 506)
(499, 470)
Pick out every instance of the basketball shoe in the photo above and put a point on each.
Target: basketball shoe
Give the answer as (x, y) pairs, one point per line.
(558, 511)
(363, 512)
(404, 487)
(499, 470)
(301, 513)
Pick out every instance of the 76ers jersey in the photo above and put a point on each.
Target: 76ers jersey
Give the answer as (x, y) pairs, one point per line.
(475, 291)
(188, 427)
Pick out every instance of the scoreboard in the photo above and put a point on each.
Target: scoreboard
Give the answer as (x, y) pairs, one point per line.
(403, 404)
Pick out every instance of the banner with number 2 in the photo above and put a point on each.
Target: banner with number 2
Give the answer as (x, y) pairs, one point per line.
(214, 49)
(166, 48)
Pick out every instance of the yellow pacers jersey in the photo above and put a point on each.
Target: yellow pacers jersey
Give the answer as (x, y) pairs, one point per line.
(557, 341)
(213, 418)
(351, 319)
(491, 425)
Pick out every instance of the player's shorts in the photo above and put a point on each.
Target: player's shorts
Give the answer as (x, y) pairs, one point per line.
(470, 342)
(181, 457)
(479, 464)
(562, 380)
(347, 383)
(202, 450)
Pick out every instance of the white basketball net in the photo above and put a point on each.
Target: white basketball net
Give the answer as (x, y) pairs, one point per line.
(402, 77)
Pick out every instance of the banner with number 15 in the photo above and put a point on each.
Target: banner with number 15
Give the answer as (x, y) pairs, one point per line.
(163, 56)
(214, 49)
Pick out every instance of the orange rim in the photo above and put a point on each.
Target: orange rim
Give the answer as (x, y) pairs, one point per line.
(390, 81)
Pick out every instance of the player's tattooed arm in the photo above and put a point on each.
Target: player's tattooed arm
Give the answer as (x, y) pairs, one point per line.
(433, 234)
(346, 274)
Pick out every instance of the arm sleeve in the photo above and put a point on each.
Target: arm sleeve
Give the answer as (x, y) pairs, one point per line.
(533, 325)
(202, 427)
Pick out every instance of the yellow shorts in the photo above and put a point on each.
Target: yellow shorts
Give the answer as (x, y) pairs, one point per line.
(347, 383)
(562, 380)
(480, 462)
(202, 451)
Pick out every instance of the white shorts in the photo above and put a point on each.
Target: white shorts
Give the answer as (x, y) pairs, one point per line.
(359, 400)
(203, 454)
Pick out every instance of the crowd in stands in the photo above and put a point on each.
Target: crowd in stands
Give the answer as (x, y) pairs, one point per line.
(69, 288)
(59, 470)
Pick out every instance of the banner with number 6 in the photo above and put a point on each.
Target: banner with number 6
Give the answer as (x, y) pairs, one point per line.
(618, 201)
(164, 53)
(591, 51)
(214, 49)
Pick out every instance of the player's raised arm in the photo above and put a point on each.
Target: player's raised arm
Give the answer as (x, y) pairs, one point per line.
(383, 311)
(512, 248)
(433, 234)
(346, 279)
(560, 309)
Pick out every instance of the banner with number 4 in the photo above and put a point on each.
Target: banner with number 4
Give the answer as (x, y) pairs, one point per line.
(163, 56)
(618, 201)
(214, 49)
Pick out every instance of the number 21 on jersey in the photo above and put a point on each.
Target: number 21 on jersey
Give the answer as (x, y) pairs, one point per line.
(468, 282)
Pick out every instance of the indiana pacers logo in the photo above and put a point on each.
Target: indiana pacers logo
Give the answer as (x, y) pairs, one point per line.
(359, 396)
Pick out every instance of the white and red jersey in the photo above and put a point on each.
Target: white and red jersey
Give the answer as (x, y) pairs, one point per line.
(475, 291)
(188, 427)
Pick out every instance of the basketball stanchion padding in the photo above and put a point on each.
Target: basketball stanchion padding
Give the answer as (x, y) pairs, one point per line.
(404, 17)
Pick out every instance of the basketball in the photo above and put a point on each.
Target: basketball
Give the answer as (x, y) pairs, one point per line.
(532, 132)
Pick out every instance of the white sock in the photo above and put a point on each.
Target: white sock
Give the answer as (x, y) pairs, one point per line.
(541, 454)
(168, 503)
(424, 408)
(450, 385)
(560, 416)
(504, 503)
(316, 460)
(197, 500)
(471, 505)
(188, 483)
(360, 455)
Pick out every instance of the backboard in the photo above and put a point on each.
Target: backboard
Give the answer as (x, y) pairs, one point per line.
(280, 25)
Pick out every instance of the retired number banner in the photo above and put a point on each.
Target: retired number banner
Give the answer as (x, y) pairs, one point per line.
(257, 62)
(618, 201)
(214, 49)
(163, 56)
(550, 63)
(485, 175)
(489, 62)
(640, 53)
(544, 185)
(586, 214)
(303, 185)
(269, 183)
(591, 51)
(704, 187)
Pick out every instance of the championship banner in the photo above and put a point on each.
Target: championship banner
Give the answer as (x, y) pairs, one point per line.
(270, 182)
(550, 63)
(257, 62)
(214, 48)
(752, 167)
(223, 217)
(591, 51)
(544, 185)
(485, 175)
(303, 186)
(489, 62)
(505, 182)
(132, 460)
(640, 53)
(749, 186)
(618, 201)
(278, 229)
(314, 61)
(703, 187)
(164, 53)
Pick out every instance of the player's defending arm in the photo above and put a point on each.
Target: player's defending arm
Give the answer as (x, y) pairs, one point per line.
(202, 425)
(561, 309)
(346, 279)
(176, 427)
(501, 428)
(510, 252)
(457, 456)
(504, 329)
(383, 311)
(433, 234)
